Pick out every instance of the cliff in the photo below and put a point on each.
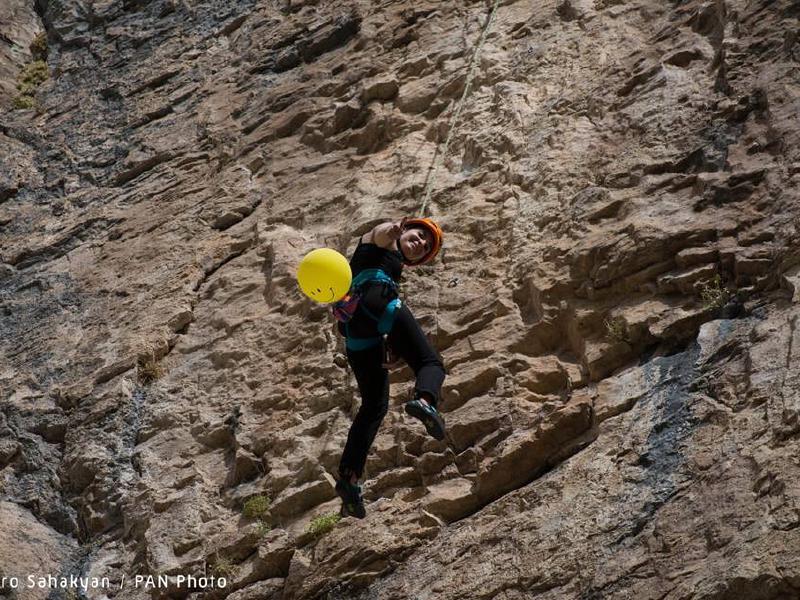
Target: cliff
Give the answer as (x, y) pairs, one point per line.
(616, 302)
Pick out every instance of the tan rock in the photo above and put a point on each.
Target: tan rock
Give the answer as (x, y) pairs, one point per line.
(416, 96)
(295, 500)
(686, 281)
(268, 589)
(617, 394)
(271, 561)
(479, 417)
(791, 280)
(544, 375)
(451, 500)
(694, 256)
(379, 88)
(38, 551)
(468, 380)
(524, 455)
(610, 433)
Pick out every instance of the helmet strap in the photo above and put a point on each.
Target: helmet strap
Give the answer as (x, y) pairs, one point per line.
(400, 250)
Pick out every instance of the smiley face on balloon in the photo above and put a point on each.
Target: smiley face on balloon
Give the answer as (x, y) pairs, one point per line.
(324, 275)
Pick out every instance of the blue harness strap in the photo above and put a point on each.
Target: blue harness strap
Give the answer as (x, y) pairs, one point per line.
(384, 321)
(372, 275)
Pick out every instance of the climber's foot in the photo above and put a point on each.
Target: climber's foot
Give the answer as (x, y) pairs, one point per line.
(430, 417)
(352, 502)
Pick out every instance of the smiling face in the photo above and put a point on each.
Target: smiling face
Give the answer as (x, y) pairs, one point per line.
(324, 275)
(415, 243)
(324, 295)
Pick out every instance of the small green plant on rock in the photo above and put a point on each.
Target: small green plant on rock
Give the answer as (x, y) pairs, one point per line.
(713, 295)
(616, 330)
(29, 79)
(148, 368)
(256, 507)
(32, 76)
(223, 567)
(24, 102)
(323, 524)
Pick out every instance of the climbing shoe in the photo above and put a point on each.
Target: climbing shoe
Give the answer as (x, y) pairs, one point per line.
(352, 503)
(433, 421)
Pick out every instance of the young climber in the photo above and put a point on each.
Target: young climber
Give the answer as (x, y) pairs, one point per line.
(381, 324)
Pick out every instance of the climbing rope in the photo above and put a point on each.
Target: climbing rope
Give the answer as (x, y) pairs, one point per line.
(454, 119)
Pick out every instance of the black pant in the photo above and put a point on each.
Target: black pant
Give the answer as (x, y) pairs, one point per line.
(408, 341)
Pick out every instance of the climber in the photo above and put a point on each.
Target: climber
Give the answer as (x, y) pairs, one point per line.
(379, 326)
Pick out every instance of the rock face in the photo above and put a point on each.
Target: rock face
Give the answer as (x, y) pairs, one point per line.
(19, 25)
(617, 301)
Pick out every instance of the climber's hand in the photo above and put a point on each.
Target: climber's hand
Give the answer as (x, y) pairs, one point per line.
(397, 229)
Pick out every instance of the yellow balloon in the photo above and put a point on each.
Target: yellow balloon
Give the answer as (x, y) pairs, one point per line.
(324, 275)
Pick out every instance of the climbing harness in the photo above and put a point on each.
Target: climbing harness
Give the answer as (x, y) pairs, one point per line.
(470, 74)
(346, 308)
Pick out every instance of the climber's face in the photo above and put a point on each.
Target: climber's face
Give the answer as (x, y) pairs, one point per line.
(415, 243)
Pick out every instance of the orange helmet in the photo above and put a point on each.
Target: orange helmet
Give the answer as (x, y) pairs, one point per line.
(436, 234)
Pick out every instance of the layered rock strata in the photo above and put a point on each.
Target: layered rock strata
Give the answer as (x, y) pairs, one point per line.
(616, 303)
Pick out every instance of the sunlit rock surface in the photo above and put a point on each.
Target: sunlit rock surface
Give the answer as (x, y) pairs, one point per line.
(616, 304)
